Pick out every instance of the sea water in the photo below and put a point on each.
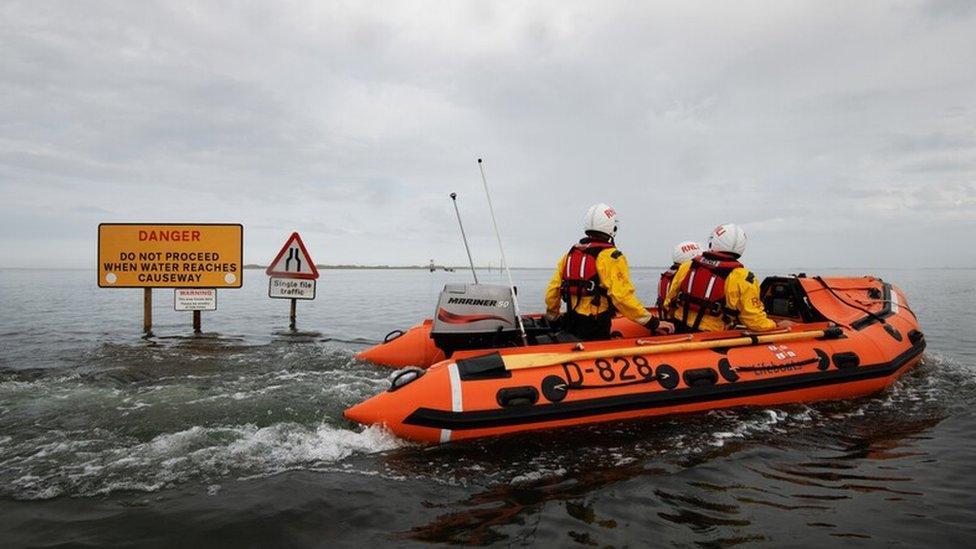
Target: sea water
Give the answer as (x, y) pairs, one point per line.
(236, 437)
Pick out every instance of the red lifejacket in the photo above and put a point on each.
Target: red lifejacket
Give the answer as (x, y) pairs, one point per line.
(665, 283)
(580, 277)
(703, 289)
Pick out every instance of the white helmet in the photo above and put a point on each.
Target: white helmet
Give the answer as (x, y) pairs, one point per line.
(601, 218)
(686, 251)
(728, 238)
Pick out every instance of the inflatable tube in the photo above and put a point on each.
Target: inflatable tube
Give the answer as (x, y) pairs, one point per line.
(416, 348)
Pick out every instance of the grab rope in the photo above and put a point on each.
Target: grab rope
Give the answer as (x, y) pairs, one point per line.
(848, 303)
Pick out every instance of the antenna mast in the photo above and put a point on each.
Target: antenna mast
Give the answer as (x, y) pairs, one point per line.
(511, 285)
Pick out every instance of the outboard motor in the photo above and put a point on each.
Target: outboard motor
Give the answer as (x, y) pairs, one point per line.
(474, 316)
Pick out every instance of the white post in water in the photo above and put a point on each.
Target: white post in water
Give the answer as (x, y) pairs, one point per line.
(511, 285)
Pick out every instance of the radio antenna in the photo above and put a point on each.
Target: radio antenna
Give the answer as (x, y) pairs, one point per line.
(511, 285)
(464, 238)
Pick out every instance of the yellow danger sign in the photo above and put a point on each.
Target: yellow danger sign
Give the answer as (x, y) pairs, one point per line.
(170, 255)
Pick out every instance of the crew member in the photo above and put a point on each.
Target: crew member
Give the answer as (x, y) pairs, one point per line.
(714, 292)
(594, 282)
(682, 252)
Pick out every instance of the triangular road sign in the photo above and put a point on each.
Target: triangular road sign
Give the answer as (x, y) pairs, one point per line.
(293, 261)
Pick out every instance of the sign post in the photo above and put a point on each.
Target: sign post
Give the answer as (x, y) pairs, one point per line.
(196, 300)
(147, 311)
(293, 275)
(170, 255)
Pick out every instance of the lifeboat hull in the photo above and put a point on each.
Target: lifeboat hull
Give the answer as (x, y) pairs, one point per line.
(860, 352)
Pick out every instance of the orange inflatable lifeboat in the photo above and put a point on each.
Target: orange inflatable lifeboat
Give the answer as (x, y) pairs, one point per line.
(854, 337)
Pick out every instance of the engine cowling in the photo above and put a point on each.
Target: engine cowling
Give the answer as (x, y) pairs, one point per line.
(472, 316)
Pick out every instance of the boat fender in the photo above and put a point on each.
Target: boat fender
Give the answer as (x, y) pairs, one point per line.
(823, 360)
(915, 336)
(554, 388)
(846, 360)
(517, 396)
(699, 377)
(667, 376)
(893, 332)
(727, 371)
(405, 378)
(393, 335)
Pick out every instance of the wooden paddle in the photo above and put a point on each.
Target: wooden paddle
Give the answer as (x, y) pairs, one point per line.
(536, 360)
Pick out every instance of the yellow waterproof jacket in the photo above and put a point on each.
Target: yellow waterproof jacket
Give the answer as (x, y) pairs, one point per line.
(741, 294)
(611, 266)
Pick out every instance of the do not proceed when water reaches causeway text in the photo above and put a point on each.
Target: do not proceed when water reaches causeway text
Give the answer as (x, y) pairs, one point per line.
(170, 266)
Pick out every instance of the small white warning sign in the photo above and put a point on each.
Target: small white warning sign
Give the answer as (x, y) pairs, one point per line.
(195, 299)
(291, 288)
(293, 261)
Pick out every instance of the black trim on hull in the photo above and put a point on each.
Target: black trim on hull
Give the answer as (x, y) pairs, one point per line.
(484, 419)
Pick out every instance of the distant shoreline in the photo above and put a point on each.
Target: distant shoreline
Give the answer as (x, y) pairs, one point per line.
(396, 267)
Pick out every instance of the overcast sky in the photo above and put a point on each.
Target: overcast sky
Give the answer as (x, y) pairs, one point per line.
(838, 133)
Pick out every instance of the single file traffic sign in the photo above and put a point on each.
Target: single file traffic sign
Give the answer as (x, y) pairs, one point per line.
(293, 261)
(291, 288)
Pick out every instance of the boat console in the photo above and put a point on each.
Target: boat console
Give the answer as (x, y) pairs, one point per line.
(784, 297)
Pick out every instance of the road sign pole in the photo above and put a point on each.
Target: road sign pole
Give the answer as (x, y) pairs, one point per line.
(292, 317)
(196, 322)
(147, 311)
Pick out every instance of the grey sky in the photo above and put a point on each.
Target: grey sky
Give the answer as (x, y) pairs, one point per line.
(838, 133)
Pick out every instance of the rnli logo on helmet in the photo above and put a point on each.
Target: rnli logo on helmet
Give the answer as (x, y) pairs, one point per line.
(689, 247)
(719, 231)
(609, 212)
